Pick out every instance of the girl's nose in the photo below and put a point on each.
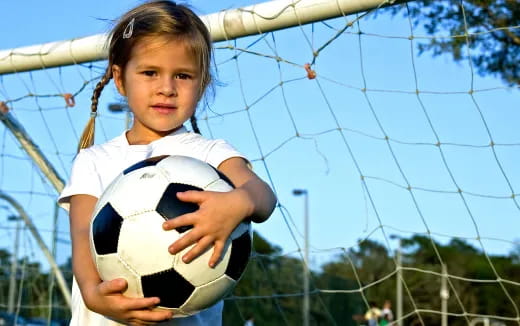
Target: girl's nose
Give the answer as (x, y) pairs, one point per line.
(168, 88)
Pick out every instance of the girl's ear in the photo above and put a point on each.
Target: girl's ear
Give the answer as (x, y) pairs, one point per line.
(117, 74)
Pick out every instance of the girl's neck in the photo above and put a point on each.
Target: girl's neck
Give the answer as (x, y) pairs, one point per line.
(137, 138)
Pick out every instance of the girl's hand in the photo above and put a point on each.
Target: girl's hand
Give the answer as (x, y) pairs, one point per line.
(107, 298)
(218, 215)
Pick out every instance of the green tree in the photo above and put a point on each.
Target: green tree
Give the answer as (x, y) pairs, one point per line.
(371, 265)
(5, 262)
(464, 263)
(262, 280)
(271, 287)
(271, 290)
(354, 269)
(32, 286)
(488, 27)
(515, 253)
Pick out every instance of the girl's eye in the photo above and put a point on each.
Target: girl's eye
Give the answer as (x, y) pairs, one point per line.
(183, 76)
(149, 73)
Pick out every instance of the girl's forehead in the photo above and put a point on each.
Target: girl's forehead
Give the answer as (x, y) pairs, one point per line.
(163, 51)
(151, 44)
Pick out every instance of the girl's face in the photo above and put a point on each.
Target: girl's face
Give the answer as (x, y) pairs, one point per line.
(161, 82)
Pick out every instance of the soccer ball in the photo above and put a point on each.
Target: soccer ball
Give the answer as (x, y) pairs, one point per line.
(127, 239)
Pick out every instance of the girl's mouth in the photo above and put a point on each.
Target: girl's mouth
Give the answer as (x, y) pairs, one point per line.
(163, 108)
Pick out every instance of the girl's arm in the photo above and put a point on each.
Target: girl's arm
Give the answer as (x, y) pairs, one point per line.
(256, 193)
(219, 213)
(103, 297)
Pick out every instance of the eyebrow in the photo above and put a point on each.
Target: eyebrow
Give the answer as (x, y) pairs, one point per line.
(146, 66)
(151, 66)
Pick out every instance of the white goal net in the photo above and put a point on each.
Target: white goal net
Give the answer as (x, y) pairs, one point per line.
(403, 164)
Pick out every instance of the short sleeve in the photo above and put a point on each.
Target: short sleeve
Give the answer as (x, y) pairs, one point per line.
(221, 151)
(84, 179)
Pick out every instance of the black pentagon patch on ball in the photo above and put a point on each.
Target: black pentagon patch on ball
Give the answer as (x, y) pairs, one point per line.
(171, 207)
(169, 286)
(144, 163)
(105, 230)
(240, 251)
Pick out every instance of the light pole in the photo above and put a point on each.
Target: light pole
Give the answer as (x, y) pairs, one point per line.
(121, 107)
(445, 295)
(399, 282)
(14, 265)
(306, 308)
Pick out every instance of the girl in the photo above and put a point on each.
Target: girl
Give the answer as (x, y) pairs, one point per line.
(159, 58)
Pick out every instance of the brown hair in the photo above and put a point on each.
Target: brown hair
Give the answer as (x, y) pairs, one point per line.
(154, 18)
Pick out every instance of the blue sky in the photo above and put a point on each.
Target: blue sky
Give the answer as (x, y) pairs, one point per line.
(326, 162)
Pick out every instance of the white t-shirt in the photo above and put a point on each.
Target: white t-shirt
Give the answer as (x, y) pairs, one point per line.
(388, 313)
(93, 170)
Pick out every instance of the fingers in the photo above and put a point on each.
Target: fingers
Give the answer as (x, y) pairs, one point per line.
(118, 286)
(141, 313)
(115, 286)
(183, 220)
(133, 311)
(185, 241)
(152, 316)
(202, 245)
(140, 303)
(137, 322)
(192, 196)
(217, 253)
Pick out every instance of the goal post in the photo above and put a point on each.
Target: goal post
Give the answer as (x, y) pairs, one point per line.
(225, 25)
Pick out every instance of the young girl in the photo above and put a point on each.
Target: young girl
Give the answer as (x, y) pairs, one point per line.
(159, 58)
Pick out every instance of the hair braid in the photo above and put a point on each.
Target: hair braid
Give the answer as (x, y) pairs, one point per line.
(87, 137)
(194, 124)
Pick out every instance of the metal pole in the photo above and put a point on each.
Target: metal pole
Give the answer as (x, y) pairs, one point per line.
(34, 152)
(52, 175)
(54, 248)
(306, 304)
(50, 259)
(14, 267)
(399, 282)
(445, 295)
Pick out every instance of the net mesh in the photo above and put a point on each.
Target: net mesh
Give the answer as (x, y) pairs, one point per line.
(409, 163)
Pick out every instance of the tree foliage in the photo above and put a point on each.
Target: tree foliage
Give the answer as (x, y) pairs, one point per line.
(35, 288)
(271, 288)
(488, 31)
